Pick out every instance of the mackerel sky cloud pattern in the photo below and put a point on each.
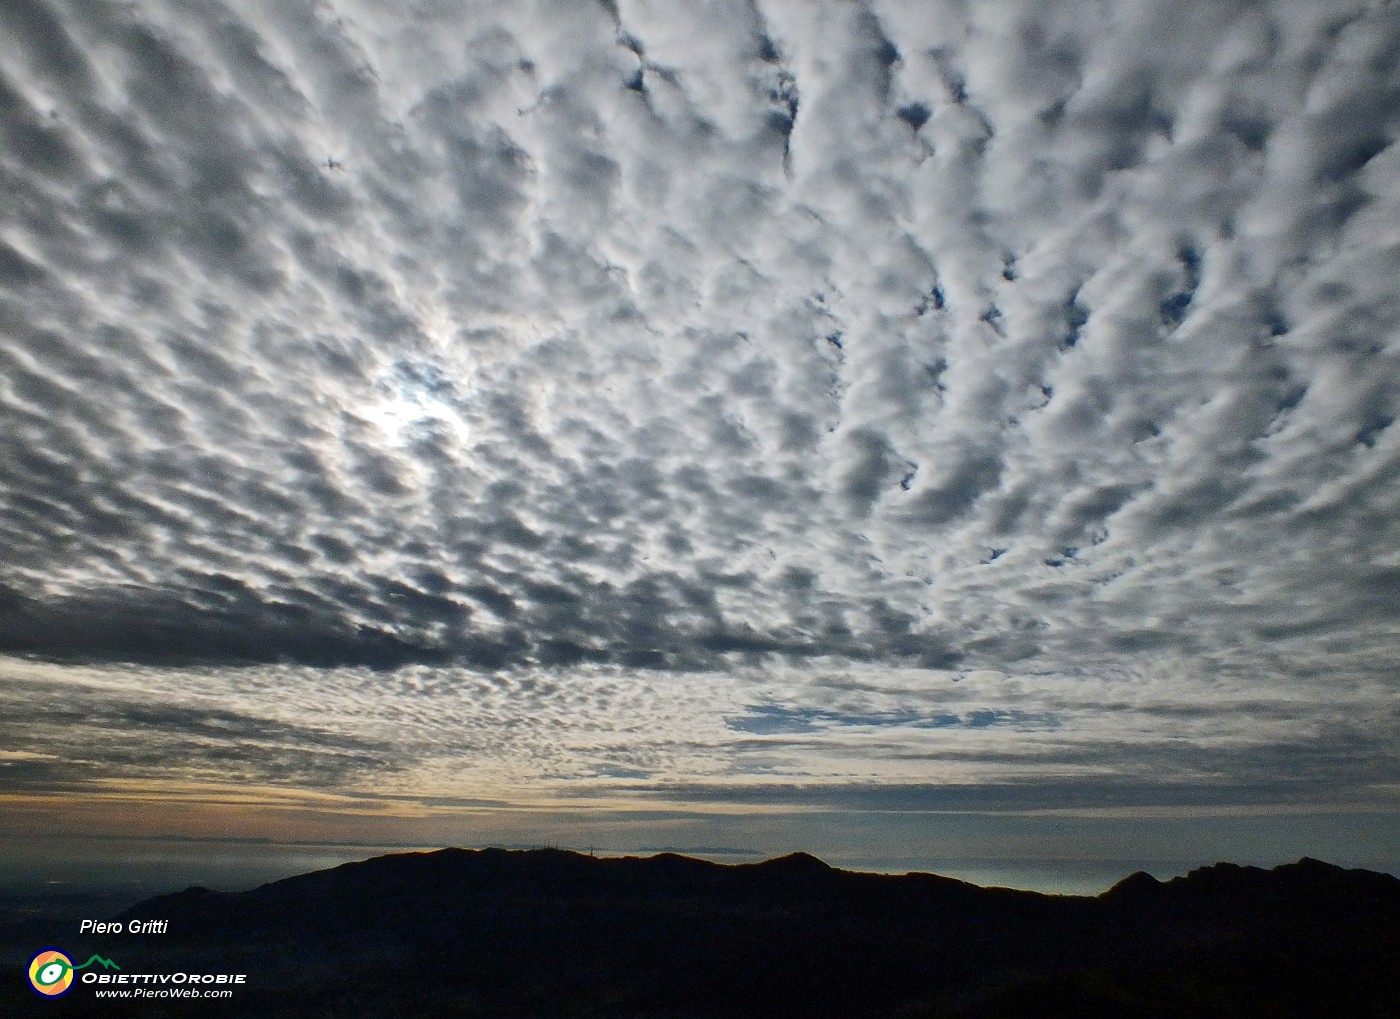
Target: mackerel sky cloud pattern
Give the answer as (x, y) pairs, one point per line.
(916, 404)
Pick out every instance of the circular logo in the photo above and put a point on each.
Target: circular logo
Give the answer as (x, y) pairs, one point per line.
(51, 973)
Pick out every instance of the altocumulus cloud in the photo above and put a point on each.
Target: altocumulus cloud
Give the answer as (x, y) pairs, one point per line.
(693, 399)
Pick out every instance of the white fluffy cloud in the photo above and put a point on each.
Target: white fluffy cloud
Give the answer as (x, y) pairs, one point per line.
(692, 396)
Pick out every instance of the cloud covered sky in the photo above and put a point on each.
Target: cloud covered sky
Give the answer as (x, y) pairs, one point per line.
(730, 406)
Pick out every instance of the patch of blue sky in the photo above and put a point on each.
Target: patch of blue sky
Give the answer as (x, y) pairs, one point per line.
(772, 719)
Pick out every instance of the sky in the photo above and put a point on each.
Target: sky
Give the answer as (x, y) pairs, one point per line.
(910, 432)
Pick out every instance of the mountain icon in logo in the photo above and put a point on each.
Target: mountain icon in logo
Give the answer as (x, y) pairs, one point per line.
(51, 971)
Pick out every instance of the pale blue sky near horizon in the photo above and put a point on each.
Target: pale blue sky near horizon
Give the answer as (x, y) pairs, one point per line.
(1057, 855)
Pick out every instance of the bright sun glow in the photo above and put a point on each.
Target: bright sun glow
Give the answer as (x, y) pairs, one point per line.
(412, 398)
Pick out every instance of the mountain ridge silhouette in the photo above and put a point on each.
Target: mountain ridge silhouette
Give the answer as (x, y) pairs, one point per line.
(497, 933)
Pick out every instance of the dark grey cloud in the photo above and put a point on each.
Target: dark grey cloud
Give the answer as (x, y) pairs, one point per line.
(570, 343)
(1049, 795)
(79, 738)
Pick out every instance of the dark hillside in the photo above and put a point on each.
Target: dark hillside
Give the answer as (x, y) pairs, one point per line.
(552, 933)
